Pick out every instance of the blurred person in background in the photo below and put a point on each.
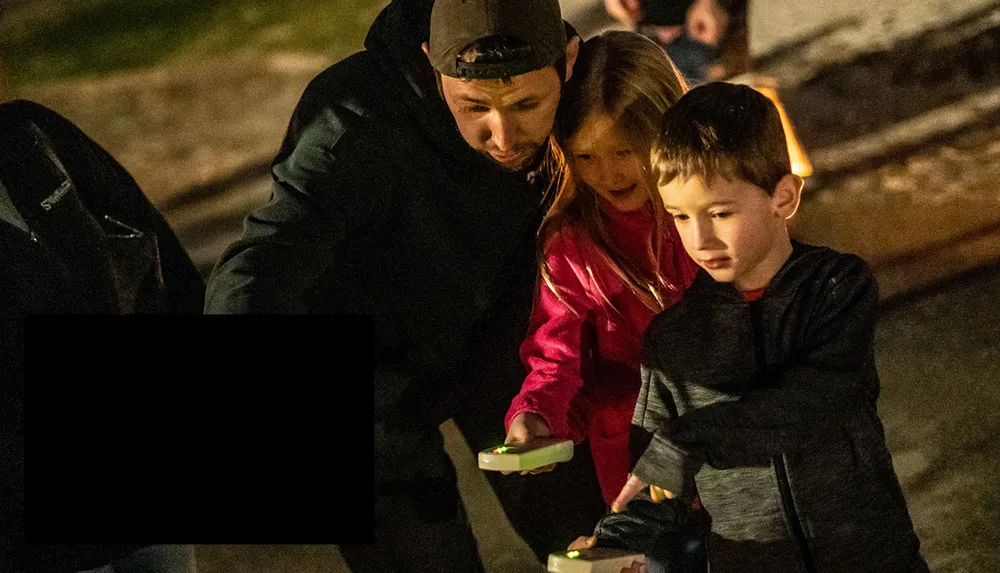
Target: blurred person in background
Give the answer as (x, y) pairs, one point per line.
(706, 39)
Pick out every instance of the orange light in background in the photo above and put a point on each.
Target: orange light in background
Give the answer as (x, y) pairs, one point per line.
(768, 86)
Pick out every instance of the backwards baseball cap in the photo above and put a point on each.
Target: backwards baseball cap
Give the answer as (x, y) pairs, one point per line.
(455, 24)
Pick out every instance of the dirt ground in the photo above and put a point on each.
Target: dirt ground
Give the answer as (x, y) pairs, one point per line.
(182, 126)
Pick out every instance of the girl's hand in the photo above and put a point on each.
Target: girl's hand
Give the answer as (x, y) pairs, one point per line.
(659, 494)
(525, 427)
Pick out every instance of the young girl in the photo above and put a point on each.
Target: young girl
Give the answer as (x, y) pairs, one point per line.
(608, 258)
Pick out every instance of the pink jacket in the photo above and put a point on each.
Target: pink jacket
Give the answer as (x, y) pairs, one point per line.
(584, 370)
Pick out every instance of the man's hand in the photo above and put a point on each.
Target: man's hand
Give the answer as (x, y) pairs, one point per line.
(633, 486)
(707, 22)
(525, 427)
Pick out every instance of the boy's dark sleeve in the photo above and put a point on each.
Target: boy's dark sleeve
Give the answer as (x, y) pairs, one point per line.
(833, 370)
(660, 461)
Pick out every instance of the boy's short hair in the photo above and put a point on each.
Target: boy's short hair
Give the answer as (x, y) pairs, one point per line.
(723, 129)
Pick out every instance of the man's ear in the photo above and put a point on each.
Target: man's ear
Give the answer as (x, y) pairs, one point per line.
(787, 195)
(572, 50)
(427, 49)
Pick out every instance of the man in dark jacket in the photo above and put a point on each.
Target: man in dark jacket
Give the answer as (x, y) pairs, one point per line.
(406, 189)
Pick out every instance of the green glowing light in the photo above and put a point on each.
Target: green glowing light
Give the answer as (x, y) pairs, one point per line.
(573, 554)
(501, 449)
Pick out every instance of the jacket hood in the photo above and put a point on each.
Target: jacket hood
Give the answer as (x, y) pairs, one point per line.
(394, 41)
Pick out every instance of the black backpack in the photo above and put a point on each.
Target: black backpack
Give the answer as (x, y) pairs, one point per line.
(82, 236)
(77, 235)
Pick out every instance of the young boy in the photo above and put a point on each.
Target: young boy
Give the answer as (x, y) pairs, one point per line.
(759, 387)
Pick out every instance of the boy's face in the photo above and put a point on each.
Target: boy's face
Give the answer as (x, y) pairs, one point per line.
(733, 229)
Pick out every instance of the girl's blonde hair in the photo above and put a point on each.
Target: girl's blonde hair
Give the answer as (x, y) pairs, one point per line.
(630, 79)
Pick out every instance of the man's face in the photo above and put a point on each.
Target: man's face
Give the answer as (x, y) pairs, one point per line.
(732, 229)
(508, 121)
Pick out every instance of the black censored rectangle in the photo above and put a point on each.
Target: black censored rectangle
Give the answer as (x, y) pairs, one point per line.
(199, 429)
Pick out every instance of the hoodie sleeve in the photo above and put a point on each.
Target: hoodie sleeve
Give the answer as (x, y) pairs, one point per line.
(558, 349)
(321, 193)
(832, 370)
(660, 461)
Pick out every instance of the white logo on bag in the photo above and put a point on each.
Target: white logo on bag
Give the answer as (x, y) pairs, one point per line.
(54, 198)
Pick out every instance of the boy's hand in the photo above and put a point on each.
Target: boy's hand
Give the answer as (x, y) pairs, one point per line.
(525, 427)
(636, 567)
(659, 494)
(633, 486)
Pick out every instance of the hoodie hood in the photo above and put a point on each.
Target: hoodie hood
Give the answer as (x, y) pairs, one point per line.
(394, 42)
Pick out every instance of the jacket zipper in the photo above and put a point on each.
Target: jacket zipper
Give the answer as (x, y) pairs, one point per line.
(781, 472)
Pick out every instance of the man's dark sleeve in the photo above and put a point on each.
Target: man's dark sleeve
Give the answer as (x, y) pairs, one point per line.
(319, 197)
